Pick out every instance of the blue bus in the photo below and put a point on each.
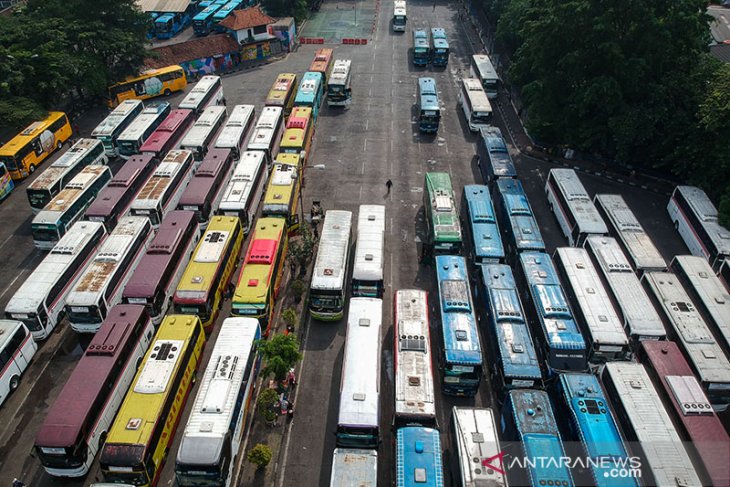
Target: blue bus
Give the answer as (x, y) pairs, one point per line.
(547, 308)
(511, 348)
(462, 361)
(583, 410)
(170, 24)
(493, 157)
(439, 47)
(310, 92)
(224, 11)
(203, 22)
(429, 111)
(421, 54)
(418, 457)
(202, 5)
(481, 226)
(518, 221)
(529, 424)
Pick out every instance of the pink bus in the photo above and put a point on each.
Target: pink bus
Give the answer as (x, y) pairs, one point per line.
(203, 194)
(169, 133)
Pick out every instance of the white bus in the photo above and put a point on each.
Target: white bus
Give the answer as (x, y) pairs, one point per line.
(399, 16)
(644, 420)
(234, 132)
(640, 320)
(68, 206)
(40, 301)
(339, 91)
(573, 208)
(475, 104)
(203, 131)
(208, 91)
(622, 224)
(367, 271)
(84, 153)
(163, 189)
(266, 134)
(687, 327)
(242, 195)
(358, 420)
(129, 141)
(414, 393)
(483, 70)
(217, 423)
(354, 468)
(114, 124)
(591, 305)
(474, 432)
(100, 285)
(695, 217)
(328, 288)
(17, 348)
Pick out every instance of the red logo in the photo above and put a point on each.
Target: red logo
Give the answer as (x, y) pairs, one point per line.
(489, 462)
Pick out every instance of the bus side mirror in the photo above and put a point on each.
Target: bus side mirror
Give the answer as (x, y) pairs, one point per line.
(303, 155)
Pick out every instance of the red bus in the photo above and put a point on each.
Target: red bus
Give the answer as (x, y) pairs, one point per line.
(169, 133)
(155, 278)
(699, 423)
(113, 201)
(203, 194)
(76, 425)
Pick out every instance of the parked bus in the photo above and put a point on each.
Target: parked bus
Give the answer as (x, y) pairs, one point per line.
(206, 92)
(203, 20)
(529, 427)
(263, 267)
(224, 12)
(100, 286)
(328, 289)
(399, 16)
(483, 69)
(591, 305)
(688, 403)
(358, 420)
(233, 134)
(475, 104)
(80, 417)
(205, 190)
(522, 233)
(155, 82)
(695, 218)
(353, 466)
(573, 208)
(339, 90)
(141, 435)
(27, 150)
(623, 225)
(645, 423)
(68, 206)
(167, 136)
(493, 156)
(441, 215)
(17, 349)
(310, 93)
(6, 182)
(481, 226)
(299, 133)
(203, 131)
(367, 271)
(266, 134)
(134, 136)
(242, 195)
(724, 273)
(115, 199)
(170, 24)
(84, 153)
(439, 47)
(686, 326)
(160, 269)
(562, 344)
(462, 355)
(216, 427)
(209, 271)
(429, 110)
(282, 194)
(421, 52)
(115, 123)
(418, 457)
(282, 93)
(640, 319)
(163, 189)
(414, 393)
(39, 302)
(474, 435)
(511, 347)
(323, 62)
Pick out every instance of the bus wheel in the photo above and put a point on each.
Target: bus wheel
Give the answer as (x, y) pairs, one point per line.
(14, 382)
(102, 440)
(59, 144)
(31, 168)
(166, 92)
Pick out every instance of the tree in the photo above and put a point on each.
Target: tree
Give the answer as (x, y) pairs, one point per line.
(286, 8)
(290, 317)
(301, 248)
(260, 455)
(265, 404)
(280, 354)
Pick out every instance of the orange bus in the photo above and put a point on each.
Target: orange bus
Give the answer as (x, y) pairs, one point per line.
(322, 63)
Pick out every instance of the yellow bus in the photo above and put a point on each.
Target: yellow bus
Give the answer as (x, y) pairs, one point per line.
(155, 82)
(27, 150)
(299, 133)
(141, 435)
(282, 191)
(258, 284)
(207, 275)
(283, 92)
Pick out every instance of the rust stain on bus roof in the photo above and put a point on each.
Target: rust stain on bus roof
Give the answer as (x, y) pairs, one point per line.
(95, 276)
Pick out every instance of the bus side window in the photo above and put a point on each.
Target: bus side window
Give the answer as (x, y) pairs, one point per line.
(139, 88)
(37, 147)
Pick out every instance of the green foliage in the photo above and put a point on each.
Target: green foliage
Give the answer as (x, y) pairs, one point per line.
(260, 455)
(301, 248)
(265, 404)
(286, 8)
(290, 317)
(280, 353)
(298, 288)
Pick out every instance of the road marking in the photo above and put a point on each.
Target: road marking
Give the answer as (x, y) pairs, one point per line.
(13, 282)
(6, 240)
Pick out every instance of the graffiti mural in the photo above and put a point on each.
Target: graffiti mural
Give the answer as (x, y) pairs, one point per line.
(200, 67)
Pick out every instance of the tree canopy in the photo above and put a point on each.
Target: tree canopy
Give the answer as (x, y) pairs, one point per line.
(286, 8)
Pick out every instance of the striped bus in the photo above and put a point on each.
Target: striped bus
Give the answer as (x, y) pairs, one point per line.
(311, 92)
(169, 133)
(442, 217)
(233, 134)
(339, 89)
(493, 156)
(283, 92)
(130, 141)
(323, 62)
(266, 134)
(328, 288)
(242, 195)
(481, 226)
(151, 83)
(475, 446)
(205, 190)
(418, 457)
(439, 47)
(114, 124)
(140, 438)
(354, 467)
(282, 195)
(299, 133)
(208, 273)
(263, 267)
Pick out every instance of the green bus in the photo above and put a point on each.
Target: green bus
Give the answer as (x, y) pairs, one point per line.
(441, 215)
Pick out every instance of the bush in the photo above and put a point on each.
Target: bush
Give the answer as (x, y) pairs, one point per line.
(298, 287)
(260, 455)
(289, 316)
(265, 404)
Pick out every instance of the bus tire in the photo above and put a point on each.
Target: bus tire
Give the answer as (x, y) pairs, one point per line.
(166, 92)
(14, 382)
(31, 169)
(59, 144)
(102, 440)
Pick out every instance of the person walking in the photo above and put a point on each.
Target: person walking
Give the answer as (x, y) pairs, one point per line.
(388, 185)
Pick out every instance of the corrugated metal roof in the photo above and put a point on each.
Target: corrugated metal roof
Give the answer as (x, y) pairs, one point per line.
(163, 5)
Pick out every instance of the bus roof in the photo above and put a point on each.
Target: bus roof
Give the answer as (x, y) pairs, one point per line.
(160, 181)
(331, 262)
(580, 203)
(284, 83)
(310, 84)
(299, 118)
(445, 220)
(476, 438)
(486, 238)
(440, 41)
(61, 166)
(27, 134)
(241, 181)
(706, 212)
(418, 451)
(280, 190)
(352, 466)
(484, 67)
(73, 190)
(7, 328)
(493, 145)
(137, 166)
(524, 227)
(193, 98)
(427, 94)
(341, 71)
(111, 122)
(149, 116)
(259, 264)
(370, 243)
(161, 135)
(237, 124)
(209, 118)
(322, 60)
(420, 39)
(265, 128)
(205, 178)
(151, 72)
(477, 97)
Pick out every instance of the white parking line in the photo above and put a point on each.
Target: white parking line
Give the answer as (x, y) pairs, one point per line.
(13, 282)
